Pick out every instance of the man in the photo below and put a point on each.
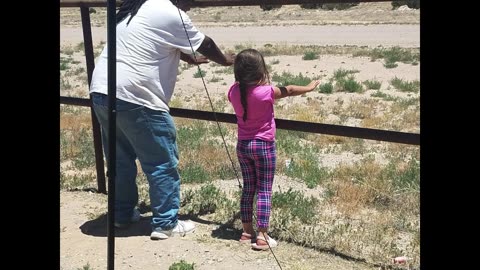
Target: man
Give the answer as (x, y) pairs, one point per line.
(151, 39)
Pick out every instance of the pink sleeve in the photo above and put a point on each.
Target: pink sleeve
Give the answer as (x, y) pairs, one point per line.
(229, 94)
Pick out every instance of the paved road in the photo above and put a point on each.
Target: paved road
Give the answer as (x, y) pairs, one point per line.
(361, 35)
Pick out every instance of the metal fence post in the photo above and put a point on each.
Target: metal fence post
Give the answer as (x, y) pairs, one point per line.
(90, 59)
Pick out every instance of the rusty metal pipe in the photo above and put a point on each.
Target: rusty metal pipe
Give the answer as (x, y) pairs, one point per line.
(335, 130)
(90, 61)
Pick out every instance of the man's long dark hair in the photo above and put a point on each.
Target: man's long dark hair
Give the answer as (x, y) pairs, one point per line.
(129, 7)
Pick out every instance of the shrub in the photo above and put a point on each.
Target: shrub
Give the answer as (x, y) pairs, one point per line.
(326, 88)
(182, 265)
(298, 205)
(288, 78)
(352, 86)
(311, 6)
(337, 6)
(310, 56)
(269, 7)
(372, 84)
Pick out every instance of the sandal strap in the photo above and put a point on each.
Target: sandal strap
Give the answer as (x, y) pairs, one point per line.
(246, 235)
(261, 238)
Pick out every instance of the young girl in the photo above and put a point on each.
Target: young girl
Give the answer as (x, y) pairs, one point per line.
(252, 97)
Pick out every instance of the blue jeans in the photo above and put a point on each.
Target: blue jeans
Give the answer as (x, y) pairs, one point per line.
(150, 136)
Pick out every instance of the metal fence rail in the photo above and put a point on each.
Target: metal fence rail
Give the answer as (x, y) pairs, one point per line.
(336, 130)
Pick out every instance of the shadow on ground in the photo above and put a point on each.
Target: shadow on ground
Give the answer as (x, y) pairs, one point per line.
(226, 232)
(98, 227)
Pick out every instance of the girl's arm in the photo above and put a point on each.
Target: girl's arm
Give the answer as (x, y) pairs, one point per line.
(294, 90)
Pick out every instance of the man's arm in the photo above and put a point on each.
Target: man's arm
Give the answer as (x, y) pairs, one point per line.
(209, 49)
(198, 59)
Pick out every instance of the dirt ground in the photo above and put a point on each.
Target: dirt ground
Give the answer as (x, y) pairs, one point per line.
(83, 239)
(82, 214)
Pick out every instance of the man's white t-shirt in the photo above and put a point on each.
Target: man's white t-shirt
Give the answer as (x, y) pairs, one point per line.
(148, 54)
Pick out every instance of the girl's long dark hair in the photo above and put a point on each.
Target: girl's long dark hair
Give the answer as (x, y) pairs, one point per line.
(249, 69)
(129, 7)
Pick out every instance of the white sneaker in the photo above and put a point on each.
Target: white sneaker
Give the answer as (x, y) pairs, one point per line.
(135, 218)
(182, 228)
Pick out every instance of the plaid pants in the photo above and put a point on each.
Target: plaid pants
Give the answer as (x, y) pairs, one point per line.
(257, 160)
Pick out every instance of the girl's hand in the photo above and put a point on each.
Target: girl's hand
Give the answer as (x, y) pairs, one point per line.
(313, 84)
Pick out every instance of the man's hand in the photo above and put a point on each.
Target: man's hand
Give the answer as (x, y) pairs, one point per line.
(212, 52)
(198, 59)
(230, 57)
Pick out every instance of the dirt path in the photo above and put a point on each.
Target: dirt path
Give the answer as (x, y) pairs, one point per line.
(361, 35)
(83, 240)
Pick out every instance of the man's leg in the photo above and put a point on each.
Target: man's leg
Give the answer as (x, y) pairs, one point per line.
(126, 192)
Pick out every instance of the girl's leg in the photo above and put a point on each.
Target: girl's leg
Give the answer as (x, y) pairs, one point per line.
(247, 166)
(248, 228)
(265, 171)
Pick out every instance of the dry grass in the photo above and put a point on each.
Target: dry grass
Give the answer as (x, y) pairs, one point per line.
(350, 197)
(361, 109)
(211, 158)
(76, 119)
(363, 216)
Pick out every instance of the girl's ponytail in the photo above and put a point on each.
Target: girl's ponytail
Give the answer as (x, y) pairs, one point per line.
(243, 99)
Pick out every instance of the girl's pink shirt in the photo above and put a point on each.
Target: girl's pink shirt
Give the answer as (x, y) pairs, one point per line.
(260, 122)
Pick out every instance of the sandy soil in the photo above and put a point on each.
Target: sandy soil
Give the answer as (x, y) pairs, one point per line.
(372, 35)
(83, 241)
(83, 221)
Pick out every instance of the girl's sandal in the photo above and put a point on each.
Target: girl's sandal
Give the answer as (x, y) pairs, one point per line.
(265, 246)
(246, 239)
